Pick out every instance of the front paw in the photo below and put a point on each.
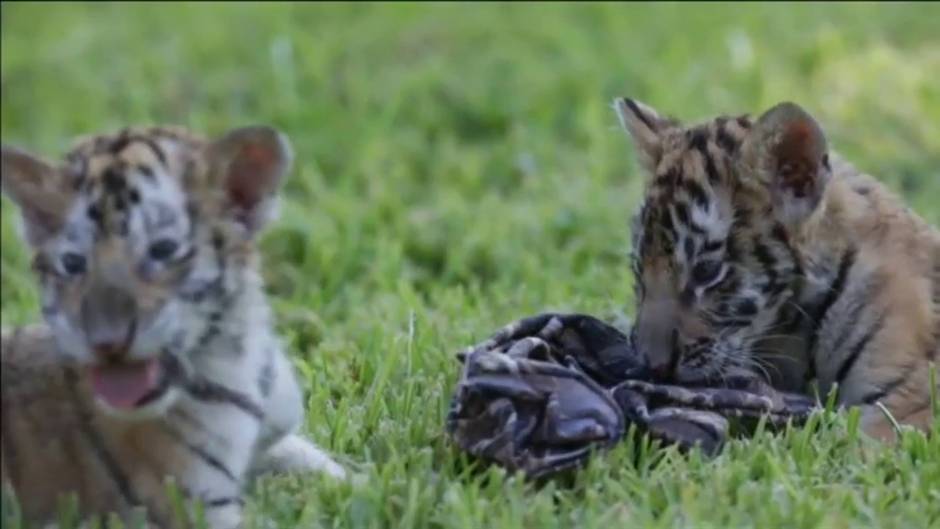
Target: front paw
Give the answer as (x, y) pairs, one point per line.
(224, 517)
(296, 454)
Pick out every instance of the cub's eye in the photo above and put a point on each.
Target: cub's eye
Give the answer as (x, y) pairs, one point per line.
(73, 263)
(163, 249)
(706, 272)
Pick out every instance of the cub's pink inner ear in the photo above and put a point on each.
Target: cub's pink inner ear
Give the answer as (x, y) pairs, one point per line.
(252, 174)
(791, 155)
(799, 155)
(250, 163)
(795, 144)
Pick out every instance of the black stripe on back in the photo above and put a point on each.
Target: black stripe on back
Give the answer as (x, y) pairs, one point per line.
(858, 348)
(850, 316)
(886, 389)
(835, 291)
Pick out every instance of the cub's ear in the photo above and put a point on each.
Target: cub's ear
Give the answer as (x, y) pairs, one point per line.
(647, 129)
(787, 151)
(37, 188)
(249, 164)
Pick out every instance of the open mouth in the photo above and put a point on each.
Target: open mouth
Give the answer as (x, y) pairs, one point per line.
(127, 386)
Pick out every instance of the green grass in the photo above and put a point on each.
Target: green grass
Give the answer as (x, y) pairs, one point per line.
(459, 167)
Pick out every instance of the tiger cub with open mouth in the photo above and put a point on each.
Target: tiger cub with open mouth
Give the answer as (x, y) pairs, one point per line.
(158, 359)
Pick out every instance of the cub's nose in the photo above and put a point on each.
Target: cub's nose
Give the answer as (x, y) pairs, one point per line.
(109, 318)
(660, 351)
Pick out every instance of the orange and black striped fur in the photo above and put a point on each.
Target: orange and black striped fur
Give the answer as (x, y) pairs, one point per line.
(756, 248)
(157, 360)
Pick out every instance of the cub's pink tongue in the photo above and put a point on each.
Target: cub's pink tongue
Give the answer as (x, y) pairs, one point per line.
(122, 386)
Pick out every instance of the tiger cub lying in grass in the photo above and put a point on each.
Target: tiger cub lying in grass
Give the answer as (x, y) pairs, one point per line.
(158, 358)
(757, 249)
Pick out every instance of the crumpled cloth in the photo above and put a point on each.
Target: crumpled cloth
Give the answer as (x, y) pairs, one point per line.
(543, 393)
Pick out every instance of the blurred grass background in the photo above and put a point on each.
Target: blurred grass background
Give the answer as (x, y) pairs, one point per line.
(460, 166)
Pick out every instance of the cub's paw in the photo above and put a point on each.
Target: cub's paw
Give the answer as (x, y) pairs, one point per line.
(295, 454)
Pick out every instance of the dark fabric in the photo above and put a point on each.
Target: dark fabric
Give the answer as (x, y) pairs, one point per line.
(544, 392)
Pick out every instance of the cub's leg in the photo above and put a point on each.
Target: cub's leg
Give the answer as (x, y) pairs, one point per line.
(294, 453)
(281, 448)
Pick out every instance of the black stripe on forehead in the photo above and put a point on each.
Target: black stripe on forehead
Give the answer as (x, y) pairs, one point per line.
(125, 139)
(666, 182)
(112, 195)
(155, 148)
(120, 142)
(77, 170)
(725, 140)
(697, 138)
(696, 192)
(114, 179)
(710, 169)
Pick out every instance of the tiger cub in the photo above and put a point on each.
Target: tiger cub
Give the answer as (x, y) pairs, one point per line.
(757, 249)
(157, 360)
